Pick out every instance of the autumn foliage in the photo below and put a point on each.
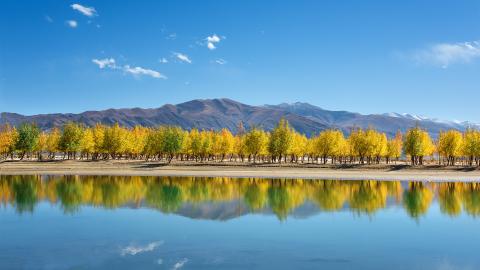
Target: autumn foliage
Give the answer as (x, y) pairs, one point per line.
(281, 145)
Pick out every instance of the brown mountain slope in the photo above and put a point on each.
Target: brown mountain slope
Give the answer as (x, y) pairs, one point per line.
(202, 114)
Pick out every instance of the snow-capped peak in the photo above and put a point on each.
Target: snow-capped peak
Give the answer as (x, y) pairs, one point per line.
(453, 123)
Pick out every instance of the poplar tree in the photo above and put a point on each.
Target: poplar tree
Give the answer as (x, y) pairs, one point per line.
(8, 138)
(256, 142)
(27, 139)
(417, 145)
(71, 139)
(280, 140)
(450, 145)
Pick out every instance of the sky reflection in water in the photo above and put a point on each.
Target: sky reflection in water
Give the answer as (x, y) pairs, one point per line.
(95, 222)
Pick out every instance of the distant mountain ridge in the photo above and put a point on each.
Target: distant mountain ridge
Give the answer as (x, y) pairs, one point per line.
(226, 113)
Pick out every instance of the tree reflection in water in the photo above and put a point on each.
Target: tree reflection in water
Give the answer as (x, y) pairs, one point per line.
(280, 196)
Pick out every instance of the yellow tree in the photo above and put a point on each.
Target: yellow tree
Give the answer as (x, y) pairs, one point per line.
(87, 144)
(206, 146)
(154, 143)
(417, 145)
(299, 146)
(380, 146)
(98, 133)
(195, 146)
(359, 144)
(280, 140)
(114, 140)
(41, 145)
(8, 137)
(136, 141)
(471, 146)
(450, 145)
(375, 145)
(225, 143)
(186, 151)
(256, 142)
(240, 147)
(394, 147)
(310, 149)
(53, 142)
(330, 143)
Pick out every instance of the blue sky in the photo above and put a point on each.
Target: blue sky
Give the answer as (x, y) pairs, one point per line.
(420, 57)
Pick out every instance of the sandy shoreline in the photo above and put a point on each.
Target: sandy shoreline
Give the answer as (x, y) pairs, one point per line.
(141, 168)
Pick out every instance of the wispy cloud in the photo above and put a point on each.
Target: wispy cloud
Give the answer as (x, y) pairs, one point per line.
(220, 61)
(182, 57)
(180, 264)
(143, 71)
(134, 250)
(72, 23)
(163, 60)
(171, 36)
(212, 40)
(446, 54)
(136, 71)
(87, 11)
(107, 62)
(48, 19)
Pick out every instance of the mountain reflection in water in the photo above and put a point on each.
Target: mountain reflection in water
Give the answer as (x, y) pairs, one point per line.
(223, 198)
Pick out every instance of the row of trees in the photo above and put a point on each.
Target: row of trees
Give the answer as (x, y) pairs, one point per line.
(282, 196)
(282, 144)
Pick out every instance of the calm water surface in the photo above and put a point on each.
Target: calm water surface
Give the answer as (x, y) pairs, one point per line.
(101, 222)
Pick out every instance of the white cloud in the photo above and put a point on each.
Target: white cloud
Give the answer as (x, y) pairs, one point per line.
(211, 46)
(107, 62)
(136, 71)
(214, 38)
(211, 40)
(446, 54)
(143, 71)
(72, 23)
(87, 11)
(221, 61)
(134, 250)
(163, 60)
(180, 264)
(183, 57)
(172, 36)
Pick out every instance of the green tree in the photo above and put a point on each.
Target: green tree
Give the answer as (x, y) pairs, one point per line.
(172, 141)
(417, 145)
(27, 139)
(71, 139)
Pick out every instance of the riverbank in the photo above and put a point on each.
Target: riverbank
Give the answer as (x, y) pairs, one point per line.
(310, 171)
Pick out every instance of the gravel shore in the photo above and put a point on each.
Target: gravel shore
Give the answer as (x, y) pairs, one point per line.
(309, 171)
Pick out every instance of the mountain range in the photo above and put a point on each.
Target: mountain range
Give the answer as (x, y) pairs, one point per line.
(226, 113)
